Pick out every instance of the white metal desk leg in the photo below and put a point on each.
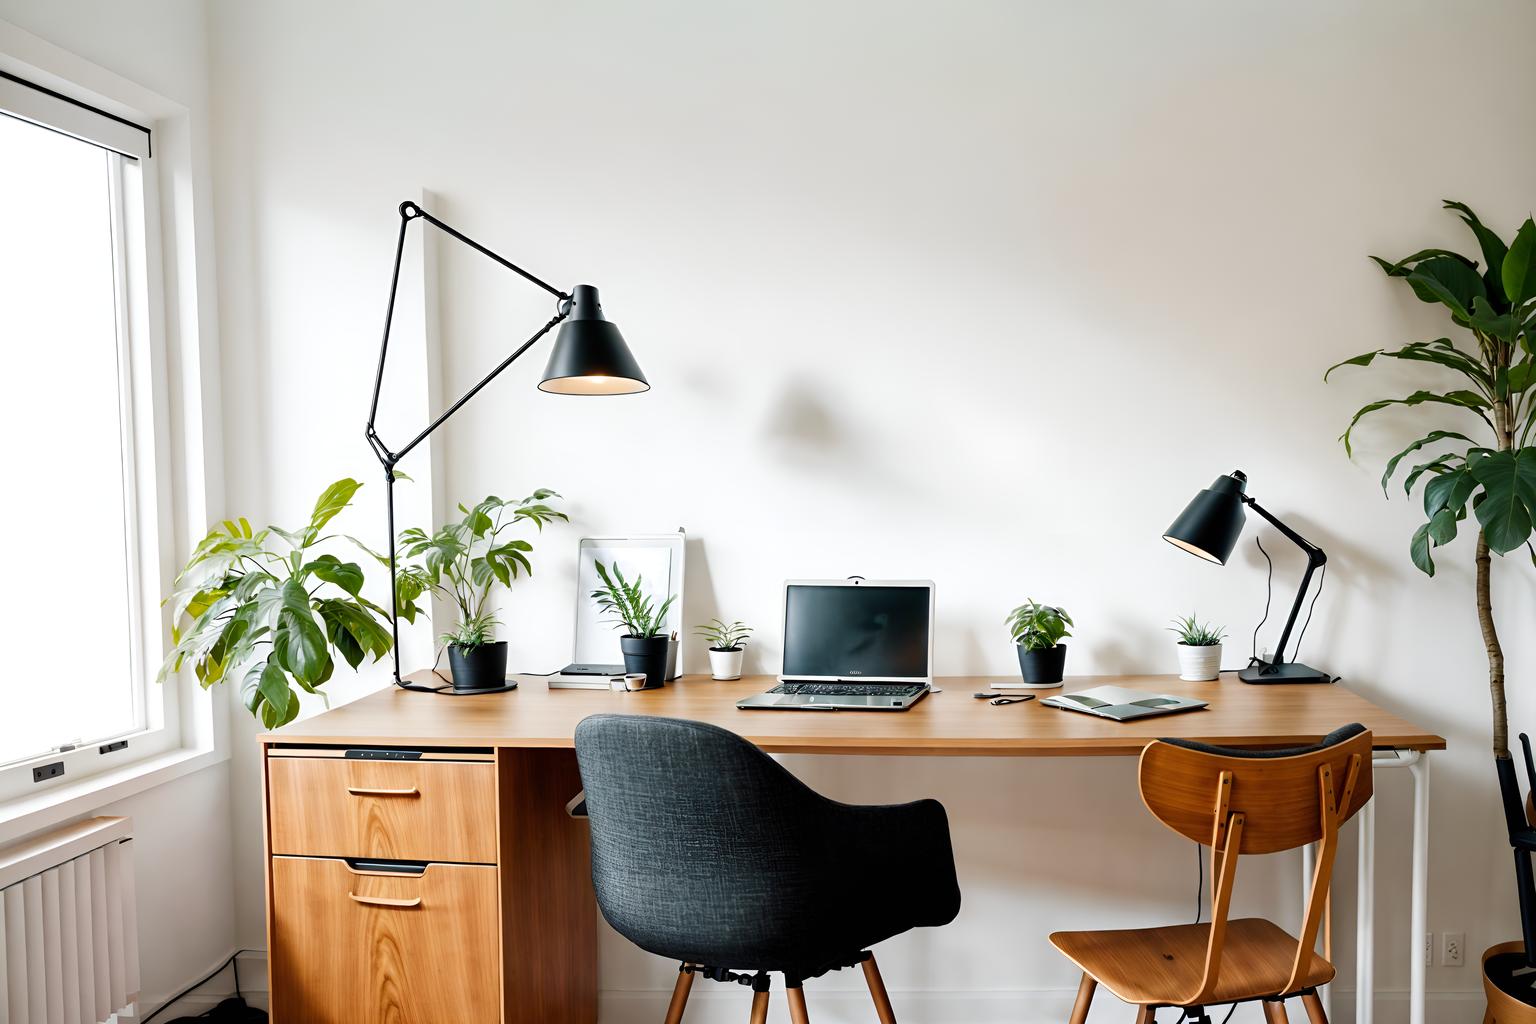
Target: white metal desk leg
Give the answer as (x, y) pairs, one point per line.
(1365, 917)
(1420, 915)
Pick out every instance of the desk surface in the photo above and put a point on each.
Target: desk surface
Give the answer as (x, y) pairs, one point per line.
(948, 723)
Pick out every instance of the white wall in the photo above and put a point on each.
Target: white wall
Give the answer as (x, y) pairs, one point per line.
(977, 292)
(182, 851)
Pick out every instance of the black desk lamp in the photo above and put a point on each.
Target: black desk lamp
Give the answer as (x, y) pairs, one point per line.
(590, 358)
(1209, 527)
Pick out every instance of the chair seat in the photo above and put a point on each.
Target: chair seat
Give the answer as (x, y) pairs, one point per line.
(1163, 966)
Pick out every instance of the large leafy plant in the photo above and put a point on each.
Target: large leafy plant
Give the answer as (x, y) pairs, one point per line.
(464, 560)
(1038, 627)
(1492, 366)
(628, 605)
(268, 612)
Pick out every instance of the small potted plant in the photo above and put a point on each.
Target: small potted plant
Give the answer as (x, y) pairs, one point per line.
(1199, 648)
(1038, 630)
(727, 643)
(464, 561)
(644, 643)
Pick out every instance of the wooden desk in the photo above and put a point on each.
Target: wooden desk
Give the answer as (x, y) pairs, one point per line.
(508, 756)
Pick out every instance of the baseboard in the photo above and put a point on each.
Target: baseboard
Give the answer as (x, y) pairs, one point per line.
(728, 1005)
(253, 985)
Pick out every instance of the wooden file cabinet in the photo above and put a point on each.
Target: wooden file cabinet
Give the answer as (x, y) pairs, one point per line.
(449, 889)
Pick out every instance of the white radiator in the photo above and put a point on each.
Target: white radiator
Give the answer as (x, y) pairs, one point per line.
(69, 944)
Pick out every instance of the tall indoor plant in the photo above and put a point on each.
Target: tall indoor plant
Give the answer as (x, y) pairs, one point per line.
(463, 561)
(267, 611)
(1492, 367)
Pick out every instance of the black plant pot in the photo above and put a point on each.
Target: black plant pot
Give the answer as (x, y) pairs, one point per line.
(479, 668)
(647, 655)
(1044, 667)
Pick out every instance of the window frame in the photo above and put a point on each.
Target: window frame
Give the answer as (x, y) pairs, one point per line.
(169, 382)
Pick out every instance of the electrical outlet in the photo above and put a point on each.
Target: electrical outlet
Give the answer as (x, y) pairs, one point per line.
(1429, 949)
(1453, 949)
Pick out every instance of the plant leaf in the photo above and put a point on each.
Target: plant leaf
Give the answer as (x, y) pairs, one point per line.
(346, 575)
(1449, 491)
(331, 501)
(298, 643)
(1418, 550)
(1432, 437)
(1464, 399)
(1449, 279)
(1492, 245)
(1509, 478)
(1519, 272)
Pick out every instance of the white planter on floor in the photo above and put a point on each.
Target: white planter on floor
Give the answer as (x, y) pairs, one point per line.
(1199, 663)
(725, 664)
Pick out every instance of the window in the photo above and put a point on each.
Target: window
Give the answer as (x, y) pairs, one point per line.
(81, 515)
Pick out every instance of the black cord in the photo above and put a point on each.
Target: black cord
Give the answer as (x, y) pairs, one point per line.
(178, 997)
(1269, 592)
(1321, 579)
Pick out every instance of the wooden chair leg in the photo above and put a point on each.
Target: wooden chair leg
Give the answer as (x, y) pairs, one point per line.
(1314, 1008)
(1085, 990)
(679, 996)
(797, 1014)
(877, 990)
(1274, 1012)
(1144, 1015)
(759, 1007)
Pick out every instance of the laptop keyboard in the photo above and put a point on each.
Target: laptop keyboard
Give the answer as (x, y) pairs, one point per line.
(850, 689)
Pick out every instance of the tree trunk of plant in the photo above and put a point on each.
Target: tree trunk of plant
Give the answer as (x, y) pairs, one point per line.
(1494, 649)
(1504, 428)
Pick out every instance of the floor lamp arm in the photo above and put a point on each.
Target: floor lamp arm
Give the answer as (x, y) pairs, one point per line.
(389, 459)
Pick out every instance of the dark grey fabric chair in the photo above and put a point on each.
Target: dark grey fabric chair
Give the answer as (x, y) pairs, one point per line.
(706, 851)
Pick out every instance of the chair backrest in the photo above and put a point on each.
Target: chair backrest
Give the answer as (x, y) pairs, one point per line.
(1245, 801)
(691, 826)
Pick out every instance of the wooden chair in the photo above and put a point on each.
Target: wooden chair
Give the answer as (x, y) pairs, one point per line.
(1236, 802)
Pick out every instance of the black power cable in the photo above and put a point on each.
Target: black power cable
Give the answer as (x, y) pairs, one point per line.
(199, 984)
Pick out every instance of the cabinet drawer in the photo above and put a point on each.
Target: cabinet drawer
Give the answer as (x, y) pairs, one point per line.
(390, 810)
(358, 947)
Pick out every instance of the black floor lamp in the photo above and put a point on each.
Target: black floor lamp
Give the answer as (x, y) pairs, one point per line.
(589, 358)
(1209, 527)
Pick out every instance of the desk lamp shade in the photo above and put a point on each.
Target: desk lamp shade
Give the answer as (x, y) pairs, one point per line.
(590, 357)
(1211, 523)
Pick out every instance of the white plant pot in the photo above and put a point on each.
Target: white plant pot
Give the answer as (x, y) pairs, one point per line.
(1197, 664)
(726, 664)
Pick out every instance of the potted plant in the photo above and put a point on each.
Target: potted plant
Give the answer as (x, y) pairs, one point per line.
(463, 562)
(1199, 648)
(268, 612)
(727, 644)
(1038, 630)
(644, 643)
(1492, 477)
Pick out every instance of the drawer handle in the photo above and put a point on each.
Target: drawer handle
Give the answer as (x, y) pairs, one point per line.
(380, 901)
(363, 791)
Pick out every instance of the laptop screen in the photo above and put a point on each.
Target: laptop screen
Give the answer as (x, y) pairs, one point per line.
(867, 631)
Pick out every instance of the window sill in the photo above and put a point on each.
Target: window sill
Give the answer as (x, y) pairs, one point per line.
(60, 803)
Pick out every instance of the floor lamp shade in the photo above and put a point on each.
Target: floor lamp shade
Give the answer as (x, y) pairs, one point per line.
(1213, 520)
(590, 357)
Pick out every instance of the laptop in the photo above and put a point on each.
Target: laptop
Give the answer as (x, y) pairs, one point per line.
(853, 645)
